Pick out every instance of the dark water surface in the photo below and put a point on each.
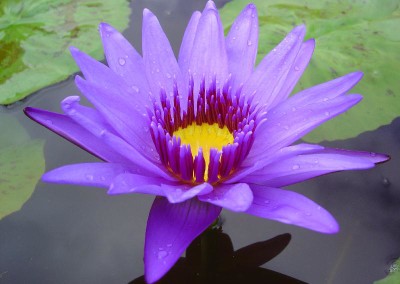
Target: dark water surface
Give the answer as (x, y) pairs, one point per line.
(68, 234)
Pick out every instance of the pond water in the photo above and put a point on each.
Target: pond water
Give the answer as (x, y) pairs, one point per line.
(70, 234)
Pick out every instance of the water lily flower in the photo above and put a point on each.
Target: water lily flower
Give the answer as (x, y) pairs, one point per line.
(203, 132)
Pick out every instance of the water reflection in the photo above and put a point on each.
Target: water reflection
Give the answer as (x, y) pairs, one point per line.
(212, 259)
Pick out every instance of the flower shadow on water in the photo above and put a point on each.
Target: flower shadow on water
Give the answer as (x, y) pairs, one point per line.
(211, 259)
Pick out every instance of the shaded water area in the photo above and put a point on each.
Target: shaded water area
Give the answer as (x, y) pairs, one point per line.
(71, 234)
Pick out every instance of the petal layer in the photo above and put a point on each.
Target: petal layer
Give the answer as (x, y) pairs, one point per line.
(170, 230)
(305, 166)
(89, 174)
(291, 208)
(236, 197)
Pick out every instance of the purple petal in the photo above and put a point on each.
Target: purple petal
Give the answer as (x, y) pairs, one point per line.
(185, 50)
(83, 115)
(120, 114)
(318, 94)
(284, 153)
(291, 208)
(70, 130)
(135, 183)
(159, 59)
(89, 174)
(294, 124)
(305, 166)
(123, 59)
(270, 75)
(170, 230)
(241, 45)
(236, 197)
(209, 60)
(136, 96)
(180, 193)
(295, 72)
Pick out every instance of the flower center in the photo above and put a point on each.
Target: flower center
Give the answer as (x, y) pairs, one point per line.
(204, 136)
(208, 140)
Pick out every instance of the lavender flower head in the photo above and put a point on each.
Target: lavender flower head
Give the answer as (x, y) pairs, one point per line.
(204, 132)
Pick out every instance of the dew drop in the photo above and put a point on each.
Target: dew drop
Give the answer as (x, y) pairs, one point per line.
(286, 127)
(327, 113)
(169, 245)
(308, 213)
(249, 42)
(296, 68)
(102, 178)
(168, 75)
(295, 167)
(267, 201)
(162, 254)
(294, 109)
(135, 88)
(48, 121)
(121, 61)
(372, 154)
(158, 70)
(326, 99)
(89, 177)
(234, 38)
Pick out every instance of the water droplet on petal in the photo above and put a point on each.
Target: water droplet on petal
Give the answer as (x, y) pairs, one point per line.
(48, 121)
(295, 167)
(168, 75)
(162, 254)
(135, 88)
(89, 177)
(325, 99)
(372, 154)
(249, 42)
(121, 61)
(308, 213)
(296, 68)
(327, 113)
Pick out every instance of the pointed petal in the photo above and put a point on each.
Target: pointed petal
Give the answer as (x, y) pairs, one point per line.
(70, 130)
(270, 75)
(294, 124)
(236, 197)
(89, 174)
(295, 72)
(159, 59)
(135, 183)
(180, 193)
(208, 59)
(185, 50)
(305, 166)
(284, 153)
(123, 59)
(120, 113)
(318, 94)
(134, 96)
(170, 230)
(241, 46)
(291, 208)
(83, 115)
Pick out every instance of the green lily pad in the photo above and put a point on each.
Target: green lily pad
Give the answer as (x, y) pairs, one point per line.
(21, 165)
(394, 275)
(350, 35)
(35, 36)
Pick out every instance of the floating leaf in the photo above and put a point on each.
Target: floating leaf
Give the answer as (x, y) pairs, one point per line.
(394, 275)
(35, 36)
(21, 165)
(350, 35)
